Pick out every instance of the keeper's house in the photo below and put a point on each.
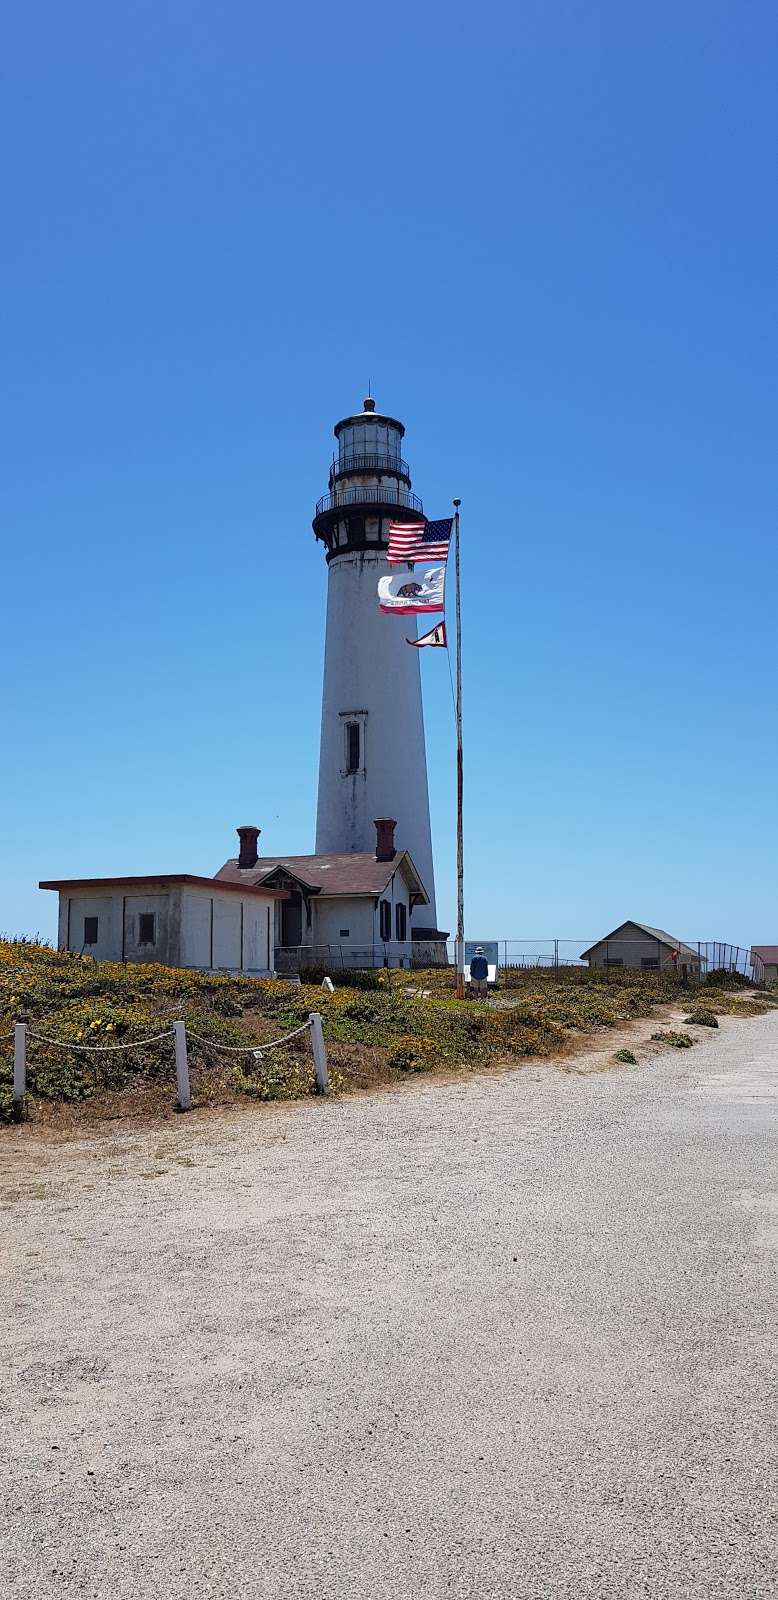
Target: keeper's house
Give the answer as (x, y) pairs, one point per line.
(350, 909)
(176, 919)
(635, 944)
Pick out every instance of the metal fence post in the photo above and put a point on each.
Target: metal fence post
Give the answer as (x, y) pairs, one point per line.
(20, 1069)
(319, 1052)
(182, 1067)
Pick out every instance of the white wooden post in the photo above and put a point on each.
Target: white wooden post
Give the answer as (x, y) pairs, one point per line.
(20, 1068)
(182, 1067)
(319, 1052)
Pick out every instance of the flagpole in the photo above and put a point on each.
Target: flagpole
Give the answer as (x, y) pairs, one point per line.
(460, 943)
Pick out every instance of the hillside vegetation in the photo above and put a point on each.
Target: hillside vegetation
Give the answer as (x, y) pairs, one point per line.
(375, 1028)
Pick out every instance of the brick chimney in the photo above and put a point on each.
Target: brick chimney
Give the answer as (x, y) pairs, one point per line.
(384, 844)
(248, 846)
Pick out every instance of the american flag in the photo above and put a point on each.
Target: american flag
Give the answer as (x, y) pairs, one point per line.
(419, 541)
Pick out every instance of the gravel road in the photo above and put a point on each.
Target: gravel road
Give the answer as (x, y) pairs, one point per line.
(508, 1336)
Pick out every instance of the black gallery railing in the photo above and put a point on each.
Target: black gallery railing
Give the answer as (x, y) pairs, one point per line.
(386, 495)
(365, 463)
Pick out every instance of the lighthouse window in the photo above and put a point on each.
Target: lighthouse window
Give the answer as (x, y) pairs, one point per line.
(385, 915)
(400, 921)
(352, 747)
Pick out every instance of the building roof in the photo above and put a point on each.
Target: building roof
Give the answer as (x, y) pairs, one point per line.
(653, 933)
(353, 873)
(768, 953)
(160, 880)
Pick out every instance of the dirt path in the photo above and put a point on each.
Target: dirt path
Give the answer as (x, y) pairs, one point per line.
(510, 1336)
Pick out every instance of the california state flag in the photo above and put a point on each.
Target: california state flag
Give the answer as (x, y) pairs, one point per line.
(417, 591)
(436, 636)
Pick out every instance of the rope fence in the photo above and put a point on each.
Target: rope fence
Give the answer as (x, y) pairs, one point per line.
(21, 1033)
(100, 1049)
(252, 1049)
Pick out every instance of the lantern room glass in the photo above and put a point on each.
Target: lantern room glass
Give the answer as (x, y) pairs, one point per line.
(369, 439)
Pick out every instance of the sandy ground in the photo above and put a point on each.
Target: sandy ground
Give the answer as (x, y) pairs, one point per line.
(511, 1335)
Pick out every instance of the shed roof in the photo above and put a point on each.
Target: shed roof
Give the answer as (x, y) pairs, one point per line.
(353, 873)
(161, 880)
(768, 952)
(653, 933)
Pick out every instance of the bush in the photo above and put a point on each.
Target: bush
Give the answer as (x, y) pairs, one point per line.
(370, 1018)
(7, 1104)
(625, 1056)
(703, 1017)
(368, 978)
(679, 1041)
(412, 1055)
(280, 1075)
(723, 979)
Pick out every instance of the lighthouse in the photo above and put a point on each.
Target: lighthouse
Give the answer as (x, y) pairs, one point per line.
(372, 758)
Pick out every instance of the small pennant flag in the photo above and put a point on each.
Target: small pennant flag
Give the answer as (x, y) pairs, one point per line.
(419, 541)
(422, 592)
(436, 636)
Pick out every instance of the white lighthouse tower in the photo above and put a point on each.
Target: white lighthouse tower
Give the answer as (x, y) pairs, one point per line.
(372, 760)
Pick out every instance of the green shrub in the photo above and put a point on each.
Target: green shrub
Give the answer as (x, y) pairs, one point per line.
(84, 1001)
(412, 1055)
(626, 1056)
(720, 978)
(679, 1041)
(7, 1103)
(703, 1017)
(280, 1075)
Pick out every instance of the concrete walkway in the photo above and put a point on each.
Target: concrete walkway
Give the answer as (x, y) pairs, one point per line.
(509, 1336)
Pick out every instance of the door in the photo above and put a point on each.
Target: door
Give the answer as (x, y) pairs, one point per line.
(292, 920)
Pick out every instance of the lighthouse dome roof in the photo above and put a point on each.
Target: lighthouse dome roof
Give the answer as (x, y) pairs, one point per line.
(369, 414)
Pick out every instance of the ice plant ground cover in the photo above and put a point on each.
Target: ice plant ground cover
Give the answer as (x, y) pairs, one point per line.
(377, 1025)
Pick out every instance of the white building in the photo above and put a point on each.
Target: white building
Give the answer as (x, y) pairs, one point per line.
(176, 919)
(340, 909)
(635, 944)
(258, 914)
(372, 759)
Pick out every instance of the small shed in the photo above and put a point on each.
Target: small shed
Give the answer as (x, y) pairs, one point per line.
(177, 919)
(643, 948)
(768, 955)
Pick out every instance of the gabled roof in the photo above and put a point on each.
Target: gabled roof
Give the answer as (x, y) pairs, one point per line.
(349, 874)
(653, 933)
(768, 952)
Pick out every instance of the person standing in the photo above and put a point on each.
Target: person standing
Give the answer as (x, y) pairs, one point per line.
(479, 971)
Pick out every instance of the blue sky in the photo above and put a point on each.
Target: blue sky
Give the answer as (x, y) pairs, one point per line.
(548, 235)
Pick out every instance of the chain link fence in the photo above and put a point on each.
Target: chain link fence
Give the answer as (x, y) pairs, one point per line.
(689, 958)
(697, 956)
